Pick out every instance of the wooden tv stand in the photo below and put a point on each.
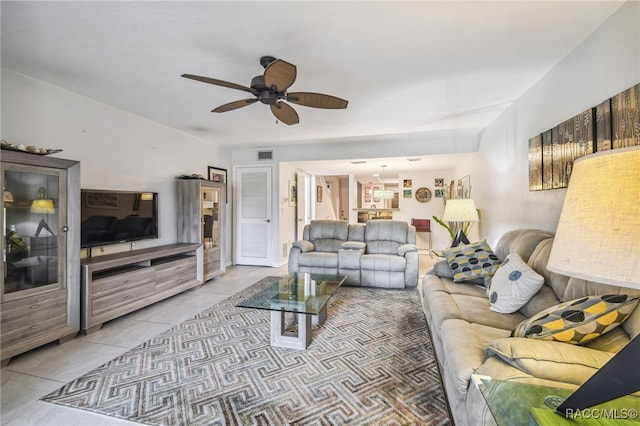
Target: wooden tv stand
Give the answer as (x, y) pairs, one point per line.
(117, 284)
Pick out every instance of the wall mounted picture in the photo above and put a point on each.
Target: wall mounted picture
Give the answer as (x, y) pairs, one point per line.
(464, 187)
(547, 160)
(603, 126)
(439, 182)
(407, 183)
(407, 193)
(612, 124)
(625, 118)
(535, 163)
(439, 193)
(319, 194)
(293, 193)
(216, 174)
(571, 140)
(423, 194)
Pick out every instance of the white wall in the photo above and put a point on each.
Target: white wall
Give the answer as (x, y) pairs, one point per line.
(117, 150)
(326, 209)
(606, 63)
(287, 218)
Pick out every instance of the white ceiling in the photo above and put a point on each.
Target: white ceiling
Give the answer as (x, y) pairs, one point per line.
(405, 67)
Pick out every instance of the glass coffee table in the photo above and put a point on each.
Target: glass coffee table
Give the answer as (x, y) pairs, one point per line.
(304, 295)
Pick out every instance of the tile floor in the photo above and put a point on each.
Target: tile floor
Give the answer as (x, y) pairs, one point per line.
(36, 373)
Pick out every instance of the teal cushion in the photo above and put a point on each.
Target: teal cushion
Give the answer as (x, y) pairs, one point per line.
(472, 261)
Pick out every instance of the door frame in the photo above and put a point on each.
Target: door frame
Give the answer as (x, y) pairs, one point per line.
(275, 217)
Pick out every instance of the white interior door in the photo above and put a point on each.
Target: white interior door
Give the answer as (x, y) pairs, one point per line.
(253, 223)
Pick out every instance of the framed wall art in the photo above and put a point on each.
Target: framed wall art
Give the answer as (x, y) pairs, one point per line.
(612, 124)
(293, 193)
(216, 174)
(423, 194)
(535, 163)
(603, 126)
(625, 118)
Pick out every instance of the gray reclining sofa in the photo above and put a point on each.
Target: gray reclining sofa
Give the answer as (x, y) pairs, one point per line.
(380, 253)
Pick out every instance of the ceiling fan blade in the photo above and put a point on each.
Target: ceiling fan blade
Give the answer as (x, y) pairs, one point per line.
(280, 74)
(220, 83)
(316, 100)
(285, 113)
(235, 105)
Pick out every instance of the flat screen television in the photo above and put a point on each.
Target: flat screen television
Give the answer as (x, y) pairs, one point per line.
(111, 217)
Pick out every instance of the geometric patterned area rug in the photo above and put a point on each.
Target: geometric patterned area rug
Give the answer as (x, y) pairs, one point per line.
(369, 363)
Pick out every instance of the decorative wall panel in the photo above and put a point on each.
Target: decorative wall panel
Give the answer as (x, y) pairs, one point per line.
(614, 123)
(625, 118)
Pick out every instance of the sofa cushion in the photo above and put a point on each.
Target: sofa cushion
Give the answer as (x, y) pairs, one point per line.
(470, 308)
(578, 321)
(356, 231)
(304, 246)
(465, 344)
(385, 236)
(328, 235)
(472, 261)
(442, 269)
(543, 299)
(319, 259)
(550, 360)
(521, 241)
(513, 284)
(383, 262)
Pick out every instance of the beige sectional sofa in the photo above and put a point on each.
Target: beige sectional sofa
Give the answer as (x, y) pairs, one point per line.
(469, 338)
(380, 253)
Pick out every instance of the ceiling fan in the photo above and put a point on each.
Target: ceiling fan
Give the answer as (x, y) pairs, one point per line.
(271, 89)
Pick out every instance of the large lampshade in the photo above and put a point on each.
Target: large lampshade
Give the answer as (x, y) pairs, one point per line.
(598, 234)
(460, 210)
(598, 239)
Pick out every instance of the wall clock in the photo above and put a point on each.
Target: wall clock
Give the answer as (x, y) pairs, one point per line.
(423, 194)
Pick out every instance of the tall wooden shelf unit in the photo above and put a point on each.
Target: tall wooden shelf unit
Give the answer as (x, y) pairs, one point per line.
(40, 277)
(201, 208)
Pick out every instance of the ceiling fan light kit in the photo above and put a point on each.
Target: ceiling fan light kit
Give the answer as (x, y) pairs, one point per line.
(271, 89)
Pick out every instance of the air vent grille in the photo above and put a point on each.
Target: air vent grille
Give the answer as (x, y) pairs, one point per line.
(265, 155)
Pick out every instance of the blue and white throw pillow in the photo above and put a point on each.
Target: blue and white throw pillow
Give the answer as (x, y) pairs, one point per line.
(513, 284)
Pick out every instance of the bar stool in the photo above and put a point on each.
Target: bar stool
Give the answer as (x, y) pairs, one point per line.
(423, 225)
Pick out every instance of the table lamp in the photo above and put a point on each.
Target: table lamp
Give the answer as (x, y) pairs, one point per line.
(598, 239)
(459, 211)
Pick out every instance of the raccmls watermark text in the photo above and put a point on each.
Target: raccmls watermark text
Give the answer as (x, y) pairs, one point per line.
(603, 413)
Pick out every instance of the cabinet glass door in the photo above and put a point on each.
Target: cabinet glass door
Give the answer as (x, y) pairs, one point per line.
(210, 218)
(32, 222)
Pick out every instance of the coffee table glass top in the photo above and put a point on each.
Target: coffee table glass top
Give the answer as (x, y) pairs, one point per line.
(296, 292)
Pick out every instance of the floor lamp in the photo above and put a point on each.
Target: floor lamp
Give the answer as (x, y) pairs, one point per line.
(598, 240)
(459, 211)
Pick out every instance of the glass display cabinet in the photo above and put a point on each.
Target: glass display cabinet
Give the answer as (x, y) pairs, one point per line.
(201, 207)
(40, 251)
